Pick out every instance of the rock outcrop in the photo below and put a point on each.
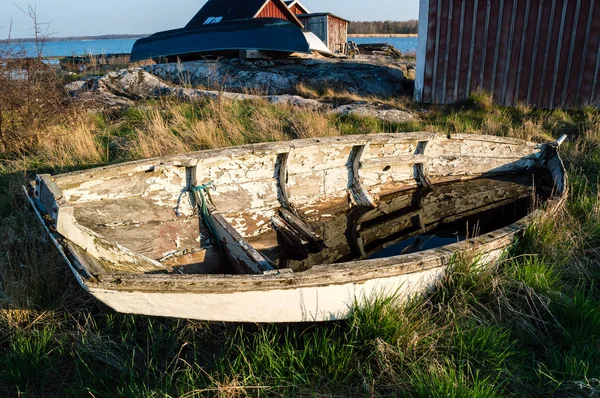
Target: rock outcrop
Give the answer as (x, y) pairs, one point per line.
(122, 88)
(383, 80)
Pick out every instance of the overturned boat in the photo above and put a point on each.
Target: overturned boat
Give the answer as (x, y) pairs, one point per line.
(232, 28)
(295, 231)
(271, 36)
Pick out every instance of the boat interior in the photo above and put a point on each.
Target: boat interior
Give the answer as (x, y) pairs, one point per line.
(297, 205)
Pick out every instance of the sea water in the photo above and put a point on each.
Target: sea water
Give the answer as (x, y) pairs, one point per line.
(404, 44)
(79, 47)
(124, 46)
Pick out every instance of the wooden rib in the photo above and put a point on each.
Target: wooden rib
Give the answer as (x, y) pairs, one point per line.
(422, 179)
(362, 197)
(282, 179)
(420, 173)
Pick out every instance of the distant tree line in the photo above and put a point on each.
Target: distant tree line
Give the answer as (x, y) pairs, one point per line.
(72, 38)
(384, 27)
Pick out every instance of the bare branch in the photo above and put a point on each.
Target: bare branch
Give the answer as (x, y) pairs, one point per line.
(32, 94)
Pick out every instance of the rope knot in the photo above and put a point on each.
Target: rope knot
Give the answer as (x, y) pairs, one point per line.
(203, 187)
(201, 192)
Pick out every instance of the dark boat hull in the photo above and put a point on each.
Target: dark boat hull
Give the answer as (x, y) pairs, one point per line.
(265, 34)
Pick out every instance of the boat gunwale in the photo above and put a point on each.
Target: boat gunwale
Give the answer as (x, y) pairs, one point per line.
(190, 159)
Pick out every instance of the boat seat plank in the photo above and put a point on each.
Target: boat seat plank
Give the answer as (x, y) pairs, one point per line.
(140, 225)
(300, 226)
(154, 240)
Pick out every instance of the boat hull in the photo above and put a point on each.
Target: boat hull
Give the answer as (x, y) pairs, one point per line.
(328, 302)
(264, 34)
(311, 304)
(324, 292)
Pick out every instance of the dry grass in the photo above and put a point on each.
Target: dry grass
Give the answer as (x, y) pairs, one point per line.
(342, 97)
(527, 327)
(70, 144)
(175, 127)
(156, 138)
(531, 131)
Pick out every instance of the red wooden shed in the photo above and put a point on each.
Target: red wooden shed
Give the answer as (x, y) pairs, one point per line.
(331, 29)
(545, 53)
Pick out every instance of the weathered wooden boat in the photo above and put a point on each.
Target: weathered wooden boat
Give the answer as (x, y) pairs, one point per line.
(294, 231)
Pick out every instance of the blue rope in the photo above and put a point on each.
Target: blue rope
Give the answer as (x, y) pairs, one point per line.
(201, 191)
(203, 188)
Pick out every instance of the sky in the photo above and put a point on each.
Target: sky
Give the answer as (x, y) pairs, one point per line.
(65, 18)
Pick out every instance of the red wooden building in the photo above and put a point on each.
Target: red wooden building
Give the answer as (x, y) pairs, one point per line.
(545, 53)
(296, 7)
(217, 11)
(331, 29)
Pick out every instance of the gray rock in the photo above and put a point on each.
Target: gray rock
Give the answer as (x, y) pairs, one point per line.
(385, 79)
(377, 111)
(295, 100)
(132, 83)
(120, 89)
(81, 85)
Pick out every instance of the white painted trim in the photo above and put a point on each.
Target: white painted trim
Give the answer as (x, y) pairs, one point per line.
(261, 8)
(56, 243)
(422, 50)
(284, 6)
(293, 3)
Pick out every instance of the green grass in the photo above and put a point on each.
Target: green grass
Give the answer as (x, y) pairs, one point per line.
(528, 327)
